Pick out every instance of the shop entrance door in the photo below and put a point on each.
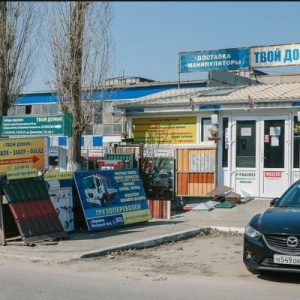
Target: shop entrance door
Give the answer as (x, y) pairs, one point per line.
(274, 171)
(260, 156)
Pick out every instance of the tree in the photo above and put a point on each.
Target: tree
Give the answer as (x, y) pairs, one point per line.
(80, 47)
(19, 28)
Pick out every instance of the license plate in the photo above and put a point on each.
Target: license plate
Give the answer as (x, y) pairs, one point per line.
(286, 259)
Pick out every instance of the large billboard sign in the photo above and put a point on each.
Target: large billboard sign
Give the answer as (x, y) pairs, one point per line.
(226, 59)
(165, 130)
(23, 154)
(281, 55)
(275, 56)
(112, 198)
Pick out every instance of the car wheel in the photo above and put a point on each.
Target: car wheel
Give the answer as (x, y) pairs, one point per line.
(104, 200)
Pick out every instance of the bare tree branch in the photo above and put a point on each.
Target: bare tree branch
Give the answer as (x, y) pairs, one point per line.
(19, 29)
(81, 48)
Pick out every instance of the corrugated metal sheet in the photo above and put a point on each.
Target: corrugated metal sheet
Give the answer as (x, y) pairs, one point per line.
(195, 171)
(219, 95)
(32, 209)
(128, 157)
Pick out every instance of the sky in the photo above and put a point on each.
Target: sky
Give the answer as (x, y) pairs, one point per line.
(149, 36)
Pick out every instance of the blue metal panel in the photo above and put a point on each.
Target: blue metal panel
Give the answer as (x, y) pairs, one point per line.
(209, 107)
(62, 141)
(97, 141)
(128, 93)
(134, 110)
(38, 98)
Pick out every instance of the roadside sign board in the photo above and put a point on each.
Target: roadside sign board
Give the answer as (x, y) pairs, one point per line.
(58, 176)
(21, 174)
(112, 198)
(36, 125)
(23, 154)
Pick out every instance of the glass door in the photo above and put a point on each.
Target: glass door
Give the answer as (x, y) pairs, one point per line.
(274, 159)
(245, 175)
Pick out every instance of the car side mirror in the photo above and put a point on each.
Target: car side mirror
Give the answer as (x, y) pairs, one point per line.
(273, 201)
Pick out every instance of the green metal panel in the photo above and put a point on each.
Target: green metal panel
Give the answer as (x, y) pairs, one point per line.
(25, 190)
(130, 157)
(225, 204)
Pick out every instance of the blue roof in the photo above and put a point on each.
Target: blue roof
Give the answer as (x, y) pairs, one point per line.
(126, 93)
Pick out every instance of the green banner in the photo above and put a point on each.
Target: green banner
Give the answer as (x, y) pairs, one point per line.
(36, 125)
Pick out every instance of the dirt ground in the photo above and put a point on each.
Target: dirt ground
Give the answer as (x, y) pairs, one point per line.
(216, 254)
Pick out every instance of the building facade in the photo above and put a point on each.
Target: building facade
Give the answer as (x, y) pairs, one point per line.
(257, 149)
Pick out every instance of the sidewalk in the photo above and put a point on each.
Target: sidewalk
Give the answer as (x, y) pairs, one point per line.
(81, 244)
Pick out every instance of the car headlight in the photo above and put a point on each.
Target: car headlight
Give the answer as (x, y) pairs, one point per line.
(251, 232)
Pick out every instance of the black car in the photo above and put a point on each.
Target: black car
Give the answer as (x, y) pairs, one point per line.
(272, 239)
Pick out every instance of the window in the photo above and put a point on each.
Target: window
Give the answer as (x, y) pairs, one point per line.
(28, 109)
(245, 144)
(205, 125)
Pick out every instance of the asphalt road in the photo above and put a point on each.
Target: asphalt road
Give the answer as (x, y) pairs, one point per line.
(203, 267)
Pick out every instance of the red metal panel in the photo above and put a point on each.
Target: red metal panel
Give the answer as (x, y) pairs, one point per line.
(31, 210)
(49, 207)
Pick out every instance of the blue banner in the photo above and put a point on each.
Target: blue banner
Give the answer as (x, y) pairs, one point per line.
(112, 198)
(226, 59)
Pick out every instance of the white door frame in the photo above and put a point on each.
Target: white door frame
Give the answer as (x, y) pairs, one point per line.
(253, 178)
(274, 180)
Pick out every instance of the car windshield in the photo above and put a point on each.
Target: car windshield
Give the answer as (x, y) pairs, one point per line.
(291, 198)
(89, 183)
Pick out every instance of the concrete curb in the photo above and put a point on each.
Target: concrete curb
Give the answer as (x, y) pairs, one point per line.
(147, 243)
(227, 229)
(152, 242)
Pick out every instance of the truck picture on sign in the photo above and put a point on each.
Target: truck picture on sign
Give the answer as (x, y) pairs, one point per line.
(97, 190)
(112, 198)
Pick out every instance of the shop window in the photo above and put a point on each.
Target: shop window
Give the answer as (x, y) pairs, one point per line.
(274, 150)
(205, 125)
(245, 144)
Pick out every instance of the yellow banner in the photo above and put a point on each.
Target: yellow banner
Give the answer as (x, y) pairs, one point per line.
(137, 216)
(166, 130)
(21, 174)
(30, 152)
(58, 176)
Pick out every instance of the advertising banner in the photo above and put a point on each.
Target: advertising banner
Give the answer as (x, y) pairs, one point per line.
(112, 198)
(225, 59)
(36, 125)
(23, 154)
(168, 130)
(275, 56)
